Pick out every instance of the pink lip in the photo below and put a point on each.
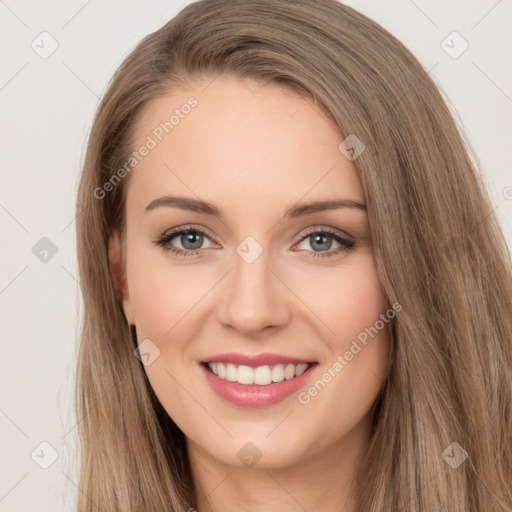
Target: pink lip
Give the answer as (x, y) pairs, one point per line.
(255, 395)
(254, 360)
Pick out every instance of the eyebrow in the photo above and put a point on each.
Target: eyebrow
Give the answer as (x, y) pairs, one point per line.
(297, 210)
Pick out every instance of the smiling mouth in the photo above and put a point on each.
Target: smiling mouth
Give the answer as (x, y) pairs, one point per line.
(260, 375)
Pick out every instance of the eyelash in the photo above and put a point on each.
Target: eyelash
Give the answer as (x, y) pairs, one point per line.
(346, 245)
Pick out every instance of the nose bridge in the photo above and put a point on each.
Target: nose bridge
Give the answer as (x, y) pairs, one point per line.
(255, 297)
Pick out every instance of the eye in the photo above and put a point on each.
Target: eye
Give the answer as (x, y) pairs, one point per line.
(190, 238)
(319, 239)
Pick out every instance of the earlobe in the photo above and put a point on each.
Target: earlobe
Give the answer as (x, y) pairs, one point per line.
(118, 273)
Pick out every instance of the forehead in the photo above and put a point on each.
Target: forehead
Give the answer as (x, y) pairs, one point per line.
(238, 142)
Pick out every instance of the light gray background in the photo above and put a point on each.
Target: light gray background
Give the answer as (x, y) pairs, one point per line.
(47, 110)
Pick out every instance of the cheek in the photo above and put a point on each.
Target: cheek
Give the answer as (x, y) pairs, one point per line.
(162, 296)
(346, 299)
(350, 304)
(161, 293)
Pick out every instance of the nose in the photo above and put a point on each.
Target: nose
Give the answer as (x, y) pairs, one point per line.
(254, 297)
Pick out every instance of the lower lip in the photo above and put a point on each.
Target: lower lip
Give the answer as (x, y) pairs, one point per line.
(245, 395)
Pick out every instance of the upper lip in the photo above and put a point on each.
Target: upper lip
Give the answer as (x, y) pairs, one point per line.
(254, 360)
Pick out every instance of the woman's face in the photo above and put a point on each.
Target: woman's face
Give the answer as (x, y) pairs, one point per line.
(252, 280)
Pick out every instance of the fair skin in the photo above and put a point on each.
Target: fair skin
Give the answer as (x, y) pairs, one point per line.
(254, 151)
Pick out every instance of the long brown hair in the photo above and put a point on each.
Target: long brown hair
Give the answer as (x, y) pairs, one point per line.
(437, 244)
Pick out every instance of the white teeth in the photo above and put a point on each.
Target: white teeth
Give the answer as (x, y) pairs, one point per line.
(301, 368)
(231, 372)
(262, 375)
(289, 372)
(244, 374)
(278, 373)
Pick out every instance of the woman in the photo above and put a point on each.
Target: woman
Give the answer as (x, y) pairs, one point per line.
(262, 367)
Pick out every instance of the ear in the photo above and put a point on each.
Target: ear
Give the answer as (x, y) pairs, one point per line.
(118, 273)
